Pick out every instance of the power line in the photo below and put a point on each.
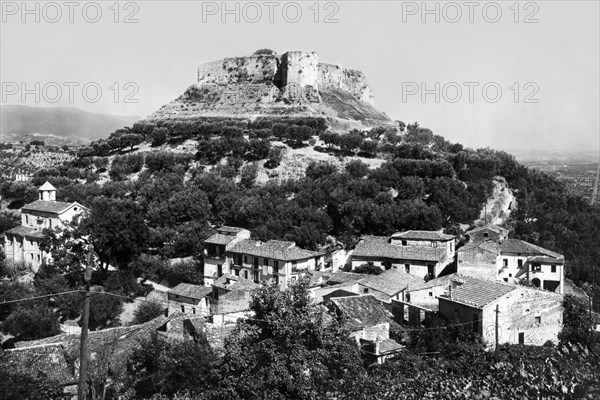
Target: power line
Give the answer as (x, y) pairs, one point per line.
(38, 297)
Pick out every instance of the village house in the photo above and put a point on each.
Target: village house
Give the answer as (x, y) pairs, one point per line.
(489, 254)
(516, 314)
(22, 243)
(190, 299)
(231, 298)
(369, 322)
(282, 262)
(423, 254)
(391, 284)
(215, 249)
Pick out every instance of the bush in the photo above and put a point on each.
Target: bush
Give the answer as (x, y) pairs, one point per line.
(147, 311)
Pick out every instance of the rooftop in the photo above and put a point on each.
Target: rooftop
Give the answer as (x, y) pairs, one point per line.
(26, 231)
(219, 238)
(232, 282)
(477, 293)
(380, 246)
(344, 277)
(47, 186)
(526, 248)
(491, 227)
(422, 235)
(45, 361)
(273, 249)
(390, 281)
(362, 311)
(488, 245)
(56, 207)
(192, 291)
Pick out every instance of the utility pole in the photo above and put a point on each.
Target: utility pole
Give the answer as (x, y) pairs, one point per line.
(83, 351)
(497, 327)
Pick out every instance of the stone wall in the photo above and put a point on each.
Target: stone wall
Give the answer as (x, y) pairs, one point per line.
(235, 70)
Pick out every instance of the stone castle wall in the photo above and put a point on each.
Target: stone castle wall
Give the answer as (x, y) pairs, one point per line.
(294, 69)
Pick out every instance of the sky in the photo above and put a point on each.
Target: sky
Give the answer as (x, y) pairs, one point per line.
(508, 75)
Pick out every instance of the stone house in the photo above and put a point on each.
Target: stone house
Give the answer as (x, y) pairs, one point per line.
(215, 249)
(369, 322)
(231, 298)
(232, 251)
(22, 243)
(391, 284)
(423, 254)
(525, 315)
(190, 299)
(496, 257)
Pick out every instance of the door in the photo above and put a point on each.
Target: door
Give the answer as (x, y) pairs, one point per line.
(521, 337)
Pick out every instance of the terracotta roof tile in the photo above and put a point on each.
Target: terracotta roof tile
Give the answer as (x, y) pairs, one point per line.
(219, 238)
(526, 248)
(362, 311)
(47, 206)
(390, 281)
(26, 231)
(45, 361)
(192, 291)
(380, 247)
(477, 293)
(273, 249)
(422, 235)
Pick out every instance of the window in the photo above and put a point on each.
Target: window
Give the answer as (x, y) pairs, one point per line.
(505, 262)
(538, 319)
(239, 259)
(505, 279)
(255, 276)
(536, 267)
(193, 310)
(74, 208)
(183, 309)
(26, 219)
(365, 290)
(246, 259)
(246, 274)
(553, 268)
(404, 243)
(510, 275)
(294, 266)
(219, 269)
(275, 266)
(236, 272)
(520, 263)
(276, 278)
(521, 337)
(265, 261)
(486, 235)
(293, 279)
(407, 268)
(430, 294)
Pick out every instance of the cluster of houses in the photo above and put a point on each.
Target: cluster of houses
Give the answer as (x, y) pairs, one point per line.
(504, 290)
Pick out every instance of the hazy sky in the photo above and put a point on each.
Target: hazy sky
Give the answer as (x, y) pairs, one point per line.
(553, 60)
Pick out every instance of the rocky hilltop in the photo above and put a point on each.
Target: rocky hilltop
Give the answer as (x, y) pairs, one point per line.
(266, 84)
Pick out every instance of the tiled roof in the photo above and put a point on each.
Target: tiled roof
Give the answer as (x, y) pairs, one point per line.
(491, 227)
(120, 341)
(47, 186)
(232, 282)
(192, 291)
(380, 247)
(422, 235)
(546, 260)
(390, 282)
(525, 248)
(477, 293)
(274, 249)
(344, 277)
(45, 361)
(26, 231)
(362, 311)
(387, 346)
(440, 281)
(219, 238)
(47, 206)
